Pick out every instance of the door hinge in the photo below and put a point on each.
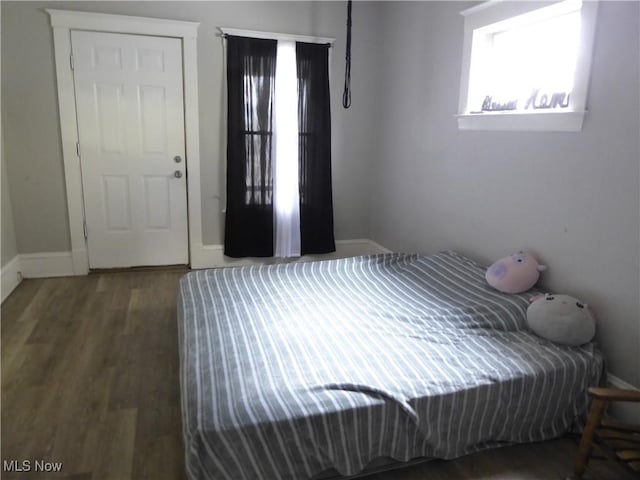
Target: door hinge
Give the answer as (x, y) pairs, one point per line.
(71, 62)
(78, 149)
(84, 227)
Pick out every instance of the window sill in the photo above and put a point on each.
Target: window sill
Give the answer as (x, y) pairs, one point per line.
(522, 122)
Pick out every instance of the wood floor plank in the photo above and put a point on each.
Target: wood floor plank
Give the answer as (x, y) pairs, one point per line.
(90, 379)
(116, 439)
(18, 414)
(17, 303)
(161, 448)
(16, 330)
(75, 438)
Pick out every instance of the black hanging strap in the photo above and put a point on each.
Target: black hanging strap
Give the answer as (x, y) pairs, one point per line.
(346, 95)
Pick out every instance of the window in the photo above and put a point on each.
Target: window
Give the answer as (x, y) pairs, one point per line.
(279, 200)
(526, 65)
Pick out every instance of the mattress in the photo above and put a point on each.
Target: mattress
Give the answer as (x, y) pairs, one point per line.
(289, 370)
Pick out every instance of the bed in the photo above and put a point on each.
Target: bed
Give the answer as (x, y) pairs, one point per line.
(288, 371)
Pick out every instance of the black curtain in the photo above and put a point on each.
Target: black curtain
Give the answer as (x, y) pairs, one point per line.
(251, 69)
(314, 124)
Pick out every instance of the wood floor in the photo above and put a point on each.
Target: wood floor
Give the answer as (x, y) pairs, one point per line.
(90, 379)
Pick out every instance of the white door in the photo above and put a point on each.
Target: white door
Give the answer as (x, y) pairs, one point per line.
(130, 113)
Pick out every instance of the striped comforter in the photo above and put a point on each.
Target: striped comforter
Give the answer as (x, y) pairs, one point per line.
(290, 370)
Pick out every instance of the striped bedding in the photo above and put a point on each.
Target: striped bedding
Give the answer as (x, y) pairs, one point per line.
(290, 370)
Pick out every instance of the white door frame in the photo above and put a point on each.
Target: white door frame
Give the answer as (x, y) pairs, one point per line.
(62, 22)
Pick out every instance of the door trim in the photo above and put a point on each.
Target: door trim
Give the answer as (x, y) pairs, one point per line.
(62, 23)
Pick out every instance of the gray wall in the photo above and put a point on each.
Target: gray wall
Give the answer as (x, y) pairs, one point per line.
(32, 129)
(9, 249)
(572, 198)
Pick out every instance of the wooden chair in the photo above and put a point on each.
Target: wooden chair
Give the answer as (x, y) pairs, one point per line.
(618, 441)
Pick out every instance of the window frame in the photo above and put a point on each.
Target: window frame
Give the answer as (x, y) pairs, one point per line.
(566, 120)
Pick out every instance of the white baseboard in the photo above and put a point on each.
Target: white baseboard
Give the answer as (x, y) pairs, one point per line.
(11, 277)
(212, 256)
(46, 264)
(64, 264)
(626, 411)
(616, 382)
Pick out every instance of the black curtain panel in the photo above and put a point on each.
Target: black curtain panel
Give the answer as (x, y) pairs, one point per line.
(251, 70)
(314, 123)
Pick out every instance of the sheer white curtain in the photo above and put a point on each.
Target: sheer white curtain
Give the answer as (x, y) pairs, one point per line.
(286, 203)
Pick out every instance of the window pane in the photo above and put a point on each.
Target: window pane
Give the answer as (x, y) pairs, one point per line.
(540, 56)
(258, 180)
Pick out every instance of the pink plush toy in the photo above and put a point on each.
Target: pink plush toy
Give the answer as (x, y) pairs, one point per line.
(516, 273)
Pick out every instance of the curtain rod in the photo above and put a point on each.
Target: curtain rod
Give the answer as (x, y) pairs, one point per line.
(224, 31)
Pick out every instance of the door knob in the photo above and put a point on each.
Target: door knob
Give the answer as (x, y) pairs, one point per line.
(177, 174)
(177, 159)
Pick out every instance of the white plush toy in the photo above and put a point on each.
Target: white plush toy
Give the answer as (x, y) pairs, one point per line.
(561, 319)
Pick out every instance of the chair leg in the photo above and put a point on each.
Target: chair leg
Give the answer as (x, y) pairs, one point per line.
(586, 442)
